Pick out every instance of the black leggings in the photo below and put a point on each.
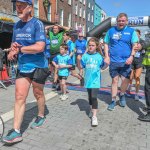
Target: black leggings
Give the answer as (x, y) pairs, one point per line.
(92, 93)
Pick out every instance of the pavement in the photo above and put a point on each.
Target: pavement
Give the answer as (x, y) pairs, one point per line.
(68, 126)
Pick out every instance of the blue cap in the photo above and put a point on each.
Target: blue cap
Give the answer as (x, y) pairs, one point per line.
(25, 1)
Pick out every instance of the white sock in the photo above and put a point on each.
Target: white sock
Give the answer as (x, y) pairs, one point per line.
(121, 93)
(18, 131)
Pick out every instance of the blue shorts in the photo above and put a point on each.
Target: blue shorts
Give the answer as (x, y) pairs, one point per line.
(119, 68)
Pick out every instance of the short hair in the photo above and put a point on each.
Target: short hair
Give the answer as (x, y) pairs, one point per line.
(122, 15)
(64, 46)
(137, 30)
(67, 33)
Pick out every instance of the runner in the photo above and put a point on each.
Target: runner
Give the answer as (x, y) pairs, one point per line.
(92, 61)
(120, 45)
(137, 67)
(63, 62)
(28, 44)
(71, 52)
(56, 39)
(80, 45)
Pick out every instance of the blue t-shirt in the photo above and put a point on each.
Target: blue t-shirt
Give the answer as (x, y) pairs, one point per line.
(63, 60)
(26, 34)
(80, 46)
(92, 64)
(120, 43)
(47, 48)
(71, 48)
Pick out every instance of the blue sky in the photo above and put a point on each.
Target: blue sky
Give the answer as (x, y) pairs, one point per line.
(131, 7)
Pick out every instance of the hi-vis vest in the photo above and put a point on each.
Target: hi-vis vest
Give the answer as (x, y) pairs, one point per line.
(146, 60)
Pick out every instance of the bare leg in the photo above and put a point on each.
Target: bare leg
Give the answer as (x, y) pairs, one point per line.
(114, 88)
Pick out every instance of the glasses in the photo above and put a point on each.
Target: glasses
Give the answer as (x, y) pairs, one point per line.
(80, 36)
(92, 45)
(121, 20)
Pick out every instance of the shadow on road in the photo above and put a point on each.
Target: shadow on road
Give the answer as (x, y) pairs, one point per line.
(29, 116)
(83, 105)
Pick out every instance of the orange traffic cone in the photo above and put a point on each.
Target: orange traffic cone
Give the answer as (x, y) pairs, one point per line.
(4, 74)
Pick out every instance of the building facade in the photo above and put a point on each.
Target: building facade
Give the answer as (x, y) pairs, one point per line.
(97, 15)
(79, 15)
(103, 15)
(64, 12)
(90, 15)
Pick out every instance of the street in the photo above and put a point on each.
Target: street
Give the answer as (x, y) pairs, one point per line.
(68, 126)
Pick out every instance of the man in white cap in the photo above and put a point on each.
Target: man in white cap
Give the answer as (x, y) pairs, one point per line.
(28, 44)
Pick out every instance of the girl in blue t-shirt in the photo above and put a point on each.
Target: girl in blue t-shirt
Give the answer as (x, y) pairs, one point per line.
(92, 62)
(63, 62)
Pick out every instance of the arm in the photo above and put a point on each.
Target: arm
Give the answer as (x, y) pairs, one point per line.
(64, 27)
(48, 27)
(106, 54)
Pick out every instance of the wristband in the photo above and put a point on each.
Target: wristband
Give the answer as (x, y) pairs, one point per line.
(20, 49)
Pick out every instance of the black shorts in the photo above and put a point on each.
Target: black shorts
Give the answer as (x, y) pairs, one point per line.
(137, 63)
(73, 67)
(62, 77)
(39, 75)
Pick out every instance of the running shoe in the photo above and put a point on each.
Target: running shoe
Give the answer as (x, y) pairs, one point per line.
(39, 121)
(64, 97)
(111, 106)
(122, 100)
(94, 121)
(136, 98)
(12, 137)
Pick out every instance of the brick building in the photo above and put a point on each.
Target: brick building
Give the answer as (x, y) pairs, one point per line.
(64, 11)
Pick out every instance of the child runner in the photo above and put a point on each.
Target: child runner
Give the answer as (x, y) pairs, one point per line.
(71, 52)
(63, 62)
(92, 62)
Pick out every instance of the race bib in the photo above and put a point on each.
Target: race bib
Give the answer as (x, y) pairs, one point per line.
(137, 54)
(54, 41)
(79, 51)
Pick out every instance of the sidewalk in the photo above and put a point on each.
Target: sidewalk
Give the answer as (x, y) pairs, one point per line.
(69, 128)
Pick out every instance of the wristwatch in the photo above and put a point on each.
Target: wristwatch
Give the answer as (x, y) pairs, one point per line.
(20, 49)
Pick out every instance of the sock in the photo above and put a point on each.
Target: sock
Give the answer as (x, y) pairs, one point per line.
(121, 94)
(18, 131)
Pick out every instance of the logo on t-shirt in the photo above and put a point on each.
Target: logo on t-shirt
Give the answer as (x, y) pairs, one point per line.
(28, 29)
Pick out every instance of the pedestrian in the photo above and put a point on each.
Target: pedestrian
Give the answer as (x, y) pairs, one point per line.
(56, 39)
(28, 43)
(119, 48)
(146, 63)
(137, 67)
(63, 62)
(80, 45)
(71, 52)
(92, 62)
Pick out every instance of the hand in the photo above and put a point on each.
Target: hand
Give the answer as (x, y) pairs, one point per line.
(62, 66)
(15, 47)
(107, 60)
(129, 60)
(12, 55)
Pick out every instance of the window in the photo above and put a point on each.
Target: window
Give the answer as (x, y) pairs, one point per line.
(76, 9)
(92, 18)
(88, 29)
(69, 20)
(84, 2)
(36, 8)
(14, 8)
(49, 13)
(92, 7)
(83, 29)
(88, 16)
(80, 11)
(81, 1)
(69, 2)
(61, 17)
(83, 13)
(89, 5)
(76, 25)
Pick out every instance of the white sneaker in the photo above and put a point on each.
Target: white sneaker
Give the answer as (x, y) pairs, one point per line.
(94, 121)
(64, 97)
(136, 98)
(60, 96)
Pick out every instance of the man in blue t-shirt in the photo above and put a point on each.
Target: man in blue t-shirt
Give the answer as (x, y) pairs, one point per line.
(80, 45)
(28, 44)
(120, 45)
